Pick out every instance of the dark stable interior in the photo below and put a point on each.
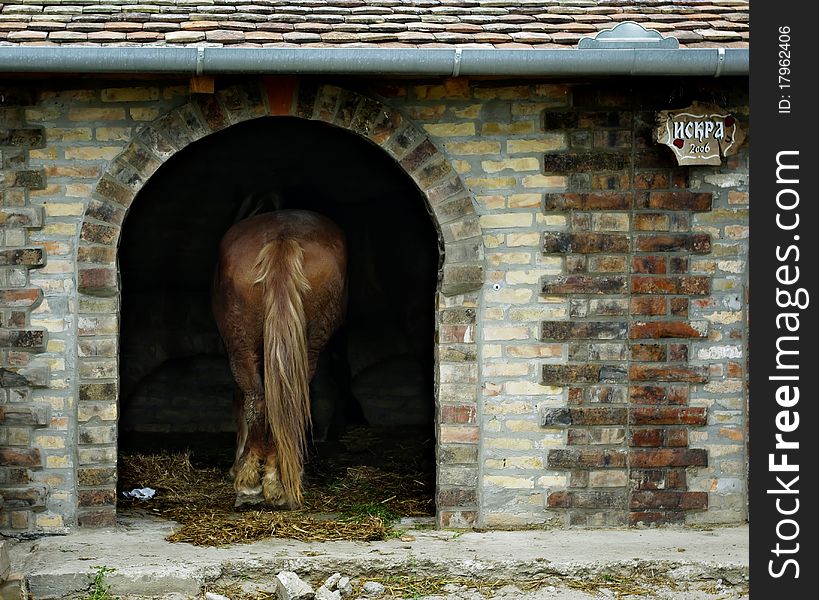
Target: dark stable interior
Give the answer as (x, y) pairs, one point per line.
(375, 378)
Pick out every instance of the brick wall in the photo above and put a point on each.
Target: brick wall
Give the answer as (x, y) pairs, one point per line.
(591, 326)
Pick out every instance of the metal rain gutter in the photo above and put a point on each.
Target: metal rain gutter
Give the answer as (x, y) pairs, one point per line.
(614, 54)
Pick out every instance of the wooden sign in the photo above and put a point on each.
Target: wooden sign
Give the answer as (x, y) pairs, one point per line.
(701, 134)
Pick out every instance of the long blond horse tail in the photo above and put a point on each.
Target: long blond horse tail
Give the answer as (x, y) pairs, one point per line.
(280, 269)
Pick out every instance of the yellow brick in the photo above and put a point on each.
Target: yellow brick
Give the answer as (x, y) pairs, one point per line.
(19, 436)
(64, 209)
(524, 277)
(42, 114)
(549, 141)
(507, 520)
(461, 166)
(551, 221)
(513, 164)
(476, 147)
(96, 114)
(493, 183)
(48, 521)
(506, 220)
(557, 182)
(57, 266)
(525, 200)
(92, 152)
(523, 239)
(493, 426)
(491, 351)
(79, 190)
(508, 408)
(489, 241)
(522, 426)
(175, 91)
(56, 346)
(509, 296)
(508, 258)
(63, 134)
(112, 134)
(517, 92)
(107, 412)
(455, 87)
(50, 441)
(529, 388)
(535, 351)
(52, 325)
(505, 369)
(143, 114)
(506, 333)
(58, 462)
(492, 202)
(49, 153)
(508, 444)
(56, 364)
(468, 112)
(517, 128)
(450, 129)
(493, 313)
(129, 94)
(514, 462)
(504, 481)
(552, 481)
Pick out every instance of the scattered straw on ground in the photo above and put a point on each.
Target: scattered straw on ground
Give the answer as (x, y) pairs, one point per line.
(352, 503)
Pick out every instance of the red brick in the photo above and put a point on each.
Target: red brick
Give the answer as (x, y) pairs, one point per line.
(648, 264)
(18, 457)
(456, 497)
(588, 499)
(88, 498)
(696, 243)
(607, 415)
(734, 370)
(678, 264)
(459, 518)
(673, 500)
(695, 374)
(679, 307)
(575, 395)
(667, 415)
(699, 285)
(584, 284)
(678, 352)
(651, 222)
(687, 201)
(647, 352)
(647, 305)
(658, 479)
(668, 457)
(664, 329)
(589, 201)
(676, 437)
(656, 180)
(584, 243)
(461, 413)
(101, 517)
(577, 330)
(654, 394)
(558, 500)
(646, 438)
(570, 373)
(97, 278)
(581, 458)
(656, 518)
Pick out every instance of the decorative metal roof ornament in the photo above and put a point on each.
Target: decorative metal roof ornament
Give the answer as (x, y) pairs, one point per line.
(628, 34)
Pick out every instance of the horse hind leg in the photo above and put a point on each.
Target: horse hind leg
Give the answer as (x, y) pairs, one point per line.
(249, 465)
(272, 487)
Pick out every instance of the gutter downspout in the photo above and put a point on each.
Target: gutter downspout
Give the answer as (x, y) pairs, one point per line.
(710, 62)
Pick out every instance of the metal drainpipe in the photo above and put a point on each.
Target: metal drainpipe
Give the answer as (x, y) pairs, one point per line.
(711, 62)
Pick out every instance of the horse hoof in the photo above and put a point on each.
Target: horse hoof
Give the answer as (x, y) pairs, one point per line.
(249, 499)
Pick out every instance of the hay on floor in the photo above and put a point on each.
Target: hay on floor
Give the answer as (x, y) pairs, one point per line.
(341, 503)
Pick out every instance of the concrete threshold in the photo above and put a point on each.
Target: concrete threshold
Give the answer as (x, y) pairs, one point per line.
(147, 566)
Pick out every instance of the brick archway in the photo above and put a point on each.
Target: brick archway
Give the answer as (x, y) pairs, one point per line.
(447, 200)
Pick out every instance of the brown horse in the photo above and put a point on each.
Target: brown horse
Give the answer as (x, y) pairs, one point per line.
(279, 293)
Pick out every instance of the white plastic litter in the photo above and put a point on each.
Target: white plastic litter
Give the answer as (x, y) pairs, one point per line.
(145, 493)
